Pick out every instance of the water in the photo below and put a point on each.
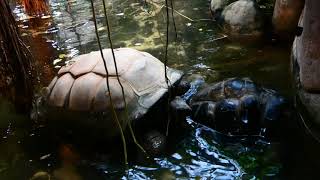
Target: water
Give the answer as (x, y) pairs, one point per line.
(200, 48)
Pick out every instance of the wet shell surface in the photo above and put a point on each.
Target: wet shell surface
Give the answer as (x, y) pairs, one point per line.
(237, 106)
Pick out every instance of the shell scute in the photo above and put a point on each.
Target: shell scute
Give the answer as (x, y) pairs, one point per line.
(83, 65)
(61, 90)
(101, 100)
(124, 58)
(83, 91)
(141, 75)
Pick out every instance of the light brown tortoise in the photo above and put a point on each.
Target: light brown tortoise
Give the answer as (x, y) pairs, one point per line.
(81, 87)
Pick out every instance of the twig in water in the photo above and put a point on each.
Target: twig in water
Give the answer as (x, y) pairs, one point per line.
(166, 6)
(220, 38)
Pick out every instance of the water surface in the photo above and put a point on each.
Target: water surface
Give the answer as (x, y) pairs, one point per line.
(200, 47)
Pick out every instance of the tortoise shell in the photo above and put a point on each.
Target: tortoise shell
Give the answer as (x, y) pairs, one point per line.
(237, 106)
(82, 86)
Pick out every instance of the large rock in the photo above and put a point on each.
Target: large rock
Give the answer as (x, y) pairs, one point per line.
(307, 47)
(243, 18)
(217, 6)
(308, 103)
(306, 62)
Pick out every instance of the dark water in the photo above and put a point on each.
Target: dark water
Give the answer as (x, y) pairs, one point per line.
(200, 48)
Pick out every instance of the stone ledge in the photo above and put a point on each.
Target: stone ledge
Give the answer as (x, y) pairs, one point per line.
(311, 103)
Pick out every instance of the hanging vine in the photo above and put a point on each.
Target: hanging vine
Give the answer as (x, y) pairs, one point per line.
(117, 75)
(173, 20)
(108, 86)
(165, 65)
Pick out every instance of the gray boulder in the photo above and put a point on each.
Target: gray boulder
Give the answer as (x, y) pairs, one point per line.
(242, 18)
(219, 5)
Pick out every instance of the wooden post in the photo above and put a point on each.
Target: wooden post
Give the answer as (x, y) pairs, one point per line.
(15, 62)
(286, 16)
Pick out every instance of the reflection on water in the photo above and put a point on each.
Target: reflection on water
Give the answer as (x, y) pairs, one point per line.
(197, 157)
(202, 154)
(200, 48)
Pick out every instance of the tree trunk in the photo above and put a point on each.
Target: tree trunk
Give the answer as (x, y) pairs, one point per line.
(286, 16)
(15, 62)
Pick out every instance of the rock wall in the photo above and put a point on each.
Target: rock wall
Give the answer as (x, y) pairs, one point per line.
(306, 60)
(308, 45)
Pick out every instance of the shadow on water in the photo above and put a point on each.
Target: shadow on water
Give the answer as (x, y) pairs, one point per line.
(201, 48)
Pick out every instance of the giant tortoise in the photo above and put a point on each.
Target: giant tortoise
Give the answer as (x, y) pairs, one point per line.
(78, 95)
(239, 106)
